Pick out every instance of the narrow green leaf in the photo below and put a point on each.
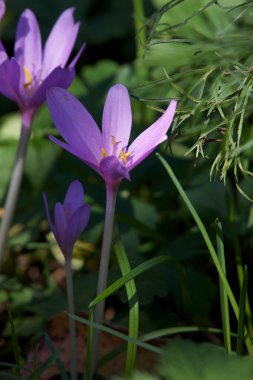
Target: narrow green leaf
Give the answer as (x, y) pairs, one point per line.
(180, 330)
(14, 342)
(209, 244)
(241, 322)
(112, 354)
(6, 375)
(14, 366)
(134, 307)
(118, 334)
(39, 370)
(58, 361)
(89, 359)
(129, 276)
(223, 293)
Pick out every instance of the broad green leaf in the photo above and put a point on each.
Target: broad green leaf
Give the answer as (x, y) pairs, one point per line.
(188, 360)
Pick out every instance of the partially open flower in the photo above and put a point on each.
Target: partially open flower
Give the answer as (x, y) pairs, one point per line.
(70, 218)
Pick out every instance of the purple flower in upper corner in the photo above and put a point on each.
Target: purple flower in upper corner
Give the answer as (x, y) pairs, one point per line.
(2, 9)
(25, 77)
(107, 152)
(70, 218)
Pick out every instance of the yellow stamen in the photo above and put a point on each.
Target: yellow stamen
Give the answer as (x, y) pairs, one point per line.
(123, 156)
(104, 152)
(28, 77)
(112, 140)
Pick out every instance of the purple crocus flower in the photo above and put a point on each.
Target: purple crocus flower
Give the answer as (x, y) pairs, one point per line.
(107, 152)
(25, 77)
(70, 218)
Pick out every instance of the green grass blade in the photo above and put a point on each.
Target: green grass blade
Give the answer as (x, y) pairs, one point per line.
(14, 342)
(37, 373)
(241, 322)
(118, 334)
(223, 293)
(88, 373)
(58, 361)
(112, 354)
(6, 376)
(180, 330)
(134, 307)
(129, 276)
(209, 244)
(14, 366)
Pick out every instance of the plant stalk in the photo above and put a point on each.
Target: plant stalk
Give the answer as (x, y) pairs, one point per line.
(111, 195)
(72, 323)
(16, 178)
(140, 29)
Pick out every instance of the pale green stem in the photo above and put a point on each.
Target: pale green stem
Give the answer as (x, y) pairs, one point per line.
(72, 323)
(111, 195)
(16, 178)
(140, 31)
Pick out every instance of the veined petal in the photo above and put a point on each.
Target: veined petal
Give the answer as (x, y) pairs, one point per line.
(76, 225)
(117, 119)
(60, 225)
(75, 124)
(83, 156)
(28, 50)
(148, 140)
(10, 80)
(61, 77)
(75, 195)
(60, 42)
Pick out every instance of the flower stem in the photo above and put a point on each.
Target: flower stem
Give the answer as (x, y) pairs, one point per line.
(72, 323)
(111, 194)
(15, 182)
(140, 29)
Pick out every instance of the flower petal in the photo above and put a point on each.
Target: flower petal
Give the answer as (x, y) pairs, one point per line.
(76, 58)
(47, 212)
(2, 9)
(84, 156)
(74, 196)
(76, 225)
(60, 42)
(117, 119)
(3, 54)
(112, 170)
(148, 140)
(60, 225)
(61, 77)
(75, 124)
(10, 80)
(28, 50)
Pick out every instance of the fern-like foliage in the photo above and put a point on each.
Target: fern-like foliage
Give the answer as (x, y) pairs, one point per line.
(201, 53)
